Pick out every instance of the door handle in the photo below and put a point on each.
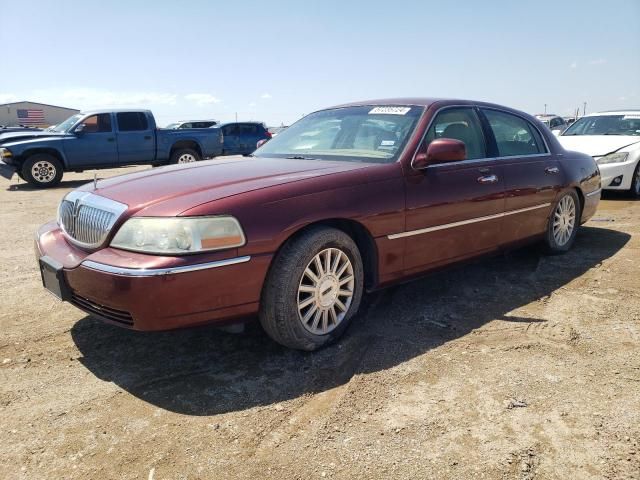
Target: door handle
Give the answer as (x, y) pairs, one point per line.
(111, 139)
(551, 170)
(488, 179)
(147, 137)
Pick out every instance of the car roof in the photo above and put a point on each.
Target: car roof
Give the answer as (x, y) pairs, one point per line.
(114, 110)
(244, 123)
(616, 112)
(546, 115)
(191, 121)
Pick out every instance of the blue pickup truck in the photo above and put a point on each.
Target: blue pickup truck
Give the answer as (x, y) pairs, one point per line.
(102, 139)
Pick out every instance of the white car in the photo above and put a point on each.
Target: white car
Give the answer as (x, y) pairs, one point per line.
(613, 140)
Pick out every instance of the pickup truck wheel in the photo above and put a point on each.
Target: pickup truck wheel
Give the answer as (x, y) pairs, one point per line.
(42, 170)
(313, 289)
(563, 223)
(185, 155)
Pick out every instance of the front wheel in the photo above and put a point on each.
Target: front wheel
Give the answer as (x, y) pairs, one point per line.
(42, 170)
(563, 223)
(313, 289)
(635, 183)
(185, 155)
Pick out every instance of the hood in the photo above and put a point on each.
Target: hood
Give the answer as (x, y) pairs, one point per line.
(596, 145)
(177, 188)
(20, 136)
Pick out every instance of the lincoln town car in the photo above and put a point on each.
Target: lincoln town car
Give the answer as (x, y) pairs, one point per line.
(347, 200)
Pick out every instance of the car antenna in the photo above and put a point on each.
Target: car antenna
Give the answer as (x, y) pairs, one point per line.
(95, 180)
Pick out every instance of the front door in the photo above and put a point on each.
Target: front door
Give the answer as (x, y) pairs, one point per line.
(454, 210)
(231, 138)
(533, 175)
(92, 144)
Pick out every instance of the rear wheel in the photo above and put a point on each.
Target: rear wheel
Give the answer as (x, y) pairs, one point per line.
(185, 155)
(313, 289)
(42, 170)
(635, 183)
(563, 223)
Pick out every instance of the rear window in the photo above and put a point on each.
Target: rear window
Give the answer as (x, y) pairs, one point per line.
(132, 121)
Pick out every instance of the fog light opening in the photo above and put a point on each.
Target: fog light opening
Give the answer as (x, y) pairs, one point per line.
(616, 181)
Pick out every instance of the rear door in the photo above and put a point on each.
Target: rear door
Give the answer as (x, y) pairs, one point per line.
(136, 138)
(231, 134)
(454, 210)
(533, 176)
(95, 145)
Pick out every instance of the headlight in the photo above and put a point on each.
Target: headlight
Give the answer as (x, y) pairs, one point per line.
(179, 235)
(613, 158)
(4, 153)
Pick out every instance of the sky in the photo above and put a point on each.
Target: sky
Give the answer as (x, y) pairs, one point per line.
(275, 61)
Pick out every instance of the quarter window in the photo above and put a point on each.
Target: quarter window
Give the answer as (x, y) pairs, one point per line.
(132, 121)
(460, 124)
(514, 135)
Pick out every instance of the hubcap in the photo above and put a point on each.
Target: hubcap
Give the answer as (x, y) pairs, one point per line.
(186, 158)
(325, 291)
(564, 220)
(43, 171)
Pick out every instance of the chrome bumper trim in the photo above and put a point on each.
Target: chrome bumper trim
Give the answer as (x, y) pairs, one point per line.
(595, 192)
(464, 222)
(151, 272)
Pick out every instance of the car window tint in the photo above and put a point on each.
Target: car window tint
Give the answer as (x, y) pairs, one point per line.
(230, 130)
(248, 129)
(131, 121)
(460, 124)
(100, 123)
(514, 135)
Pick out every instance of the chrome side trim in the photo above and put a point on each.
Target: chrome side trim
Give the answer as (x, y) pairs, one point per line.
(151, 272)
(595, 192)
(465, 222)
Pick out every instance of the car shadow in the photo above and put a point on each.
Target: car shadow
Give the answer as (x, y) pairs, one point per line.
(205, 371)
(23, 185)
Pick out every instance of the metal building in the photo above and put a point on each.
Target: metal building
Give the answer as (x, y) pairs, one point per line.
(32, 114)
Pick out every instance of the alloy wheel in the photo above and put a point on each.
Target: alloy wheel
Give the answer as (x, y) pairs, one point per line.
(325, 291)
(186, 158)
(564, 220)
(43, 171)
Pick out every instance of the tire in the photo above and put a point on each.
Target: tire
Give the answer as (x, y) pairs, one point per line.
(185, 155)
(287, 289)
(42, 170)
(563, 223)
(635, 183)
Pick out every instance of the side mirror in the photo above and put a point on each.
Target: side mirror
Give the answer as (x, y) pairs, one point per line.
(79, 129)
(261, 142)
(441, 150)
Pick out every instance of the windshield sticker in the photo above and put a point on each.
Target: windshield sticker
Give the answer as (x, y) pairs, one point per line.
(387, 143)
(389, 110)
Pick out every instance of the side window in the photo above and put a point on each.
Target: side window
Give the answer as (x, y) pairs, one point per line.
(460, 124)
(248, 129)
(100, 123)
(132, 121)
(185, 125)
(230, 130)
(514, 135)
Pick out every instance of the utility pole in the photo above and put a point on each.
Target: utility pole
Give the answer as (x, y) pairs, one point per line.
(584, 109)
(236, 117)
(545, 108)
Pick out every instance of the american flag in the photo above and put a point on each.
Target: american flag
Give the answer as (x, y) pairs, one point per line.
(30, 117)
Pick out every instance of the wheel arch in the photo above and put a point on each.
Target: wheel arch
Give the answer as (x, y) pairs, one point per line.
(47, 150)
(190, 144)
(358, 233)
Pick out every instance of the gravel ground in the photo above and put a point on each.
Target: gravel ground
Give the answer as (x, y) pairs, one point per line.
(521, 366)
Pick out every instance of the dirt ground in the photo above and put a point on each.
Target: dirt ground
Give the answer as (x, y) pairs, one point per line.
(522, 366)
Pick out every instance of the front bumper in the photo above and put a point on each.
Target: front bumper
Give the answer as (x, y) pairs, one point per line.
(610, 171)
(160, 298)
(7, 170)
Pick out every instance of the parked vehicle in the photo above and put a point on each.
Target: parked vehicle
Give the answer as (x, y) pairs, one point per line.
(241, 138)
(192, 124)
(555, 123)
(348, 199)
(102, 139)
(613, 140)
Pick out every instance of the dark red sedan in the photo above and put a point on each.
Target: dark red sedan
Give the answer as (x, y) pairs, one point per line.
(348, 199)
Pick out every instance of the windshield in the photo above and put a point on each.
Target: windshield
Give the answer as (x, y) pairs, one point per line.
(359, 134)
(173, 125)
(67, 124)
(606, 125)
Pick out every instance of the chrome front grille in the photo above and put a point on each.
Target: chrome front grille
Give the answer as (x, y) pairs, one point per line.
(86, 219)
